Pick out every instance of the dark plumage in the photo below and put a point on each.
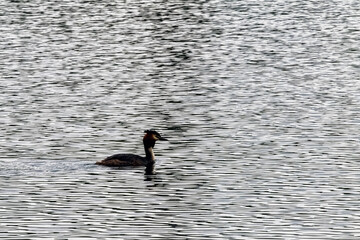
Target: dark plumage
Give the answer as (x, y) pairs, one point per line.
(123, 160)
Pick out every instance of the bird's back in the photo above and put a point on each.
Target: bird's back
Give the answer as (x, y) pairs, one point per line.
(122, 160)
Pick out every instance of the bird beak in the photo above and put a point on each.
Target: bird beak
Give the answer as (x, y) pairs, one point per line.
(162, 139)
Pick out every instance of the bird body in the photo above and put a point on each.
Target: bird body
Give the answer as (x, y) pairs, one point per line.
(119, 160)
(123, 160)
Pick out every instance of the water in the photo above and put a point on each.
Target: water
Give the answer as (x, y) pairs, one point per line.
(260, 101)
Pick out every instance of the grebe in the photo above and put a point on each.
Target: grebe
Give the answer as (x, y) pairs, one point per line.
(123, 160)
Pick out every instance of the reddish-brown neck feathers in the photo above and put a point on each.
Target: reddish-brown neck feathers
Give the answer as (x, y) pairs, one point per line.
(149, 140)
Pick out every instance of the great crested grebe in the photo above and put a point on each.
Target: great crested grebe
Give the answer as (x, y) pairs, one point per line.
(123, 160)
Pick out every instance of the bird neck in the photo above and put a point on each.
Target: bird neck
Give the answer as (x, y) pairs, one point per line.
(150, 153)
(148, 146)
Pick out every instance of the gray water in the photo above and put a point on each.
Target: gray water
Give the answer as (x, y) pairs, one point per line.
(260, 101)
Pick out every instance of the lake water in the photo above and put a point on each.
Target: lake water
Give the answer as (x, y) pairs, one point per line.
(260, 101)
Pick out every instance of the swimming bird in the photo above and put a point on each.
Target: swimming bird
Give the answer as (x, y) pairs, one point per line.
(123, 160)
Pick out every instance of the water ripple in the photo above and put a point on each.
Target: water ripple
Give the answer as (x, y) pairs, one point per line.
(258, 99)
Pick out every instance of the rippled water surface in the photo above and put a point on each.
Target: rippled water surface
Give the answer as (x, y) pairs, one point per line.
(260, 101)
